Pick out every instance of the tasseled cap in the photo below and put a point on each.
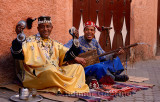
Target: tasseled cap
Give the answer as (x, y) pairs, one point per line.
(29, 22)
(41, 19)
(90, 23)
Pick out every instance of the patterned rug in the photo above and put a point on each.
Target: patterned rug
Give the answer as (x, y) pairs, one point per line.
(109, 92)
(105, 92)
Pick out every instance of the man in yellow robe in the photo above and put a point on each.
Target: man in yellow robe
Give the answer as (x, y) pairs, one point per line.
(43, 60)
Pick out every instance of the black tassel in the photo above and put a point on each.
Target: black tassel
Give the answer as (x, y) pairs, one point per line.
(29, 22)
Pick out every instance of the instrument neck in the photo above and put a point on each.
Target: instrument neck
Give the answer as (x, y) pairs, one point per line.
(125, 47)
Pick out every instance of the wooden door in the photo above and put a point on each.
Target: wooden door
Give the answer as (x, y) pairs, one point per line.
(107, 13)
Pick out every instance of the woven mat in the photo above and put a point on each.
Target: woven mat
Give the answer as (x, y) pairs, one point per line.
(51, 96)
(119, 89)
(137, 79)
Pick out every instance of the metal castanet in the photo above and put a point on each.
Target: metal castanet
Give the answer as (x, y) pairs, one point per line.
(21, 36)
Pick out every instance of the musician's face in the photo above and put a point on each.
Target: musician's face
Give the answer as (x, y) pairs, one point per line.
(89, 33)
(45, 29)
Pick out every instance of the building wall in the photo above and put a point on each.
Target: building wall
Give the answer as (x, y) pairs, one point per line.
(144, 27)
(12, 11)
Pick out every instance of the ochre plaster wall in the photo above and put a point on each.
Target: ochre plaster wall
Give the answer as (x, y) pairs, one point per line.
(12, 11)
(144, 27)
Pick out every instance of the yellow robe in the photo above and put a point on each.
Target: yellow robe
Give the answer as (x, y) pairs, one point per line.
(46, 58)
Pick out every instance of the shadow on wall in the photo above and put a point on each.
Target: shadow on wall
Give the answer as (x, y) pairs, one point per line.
(7, 69)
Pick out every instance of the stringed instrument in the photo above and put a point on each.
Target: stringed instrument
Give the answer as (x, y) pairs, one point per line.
(91, 57)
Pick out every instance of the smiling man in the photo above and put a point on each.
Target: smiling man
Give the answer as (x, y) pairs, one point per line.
(44, 27)
(108, 69)
(42, 62)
